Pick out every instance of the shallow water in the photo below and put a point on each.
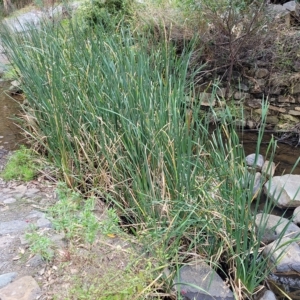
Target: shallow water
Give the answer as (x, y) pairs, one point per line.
(285, 156)
(10, 134)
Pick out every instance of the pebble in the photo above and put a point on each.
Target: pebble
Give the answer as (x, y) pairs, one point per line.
(43, 223)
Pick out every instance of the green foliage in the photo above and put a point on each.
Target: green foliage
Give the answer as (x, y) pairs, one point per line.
(113, 114)
(76, 218)
(40, 244)
(21, 165)
(107, 13)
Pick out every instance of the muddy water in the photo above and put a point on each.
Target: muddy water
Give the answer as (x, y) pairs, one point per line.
(285, 156)
(10, 134)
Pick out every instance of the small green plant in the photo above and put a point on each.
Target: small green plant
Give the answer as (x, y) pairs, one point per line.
(74, 216)
(40, 244)
(21, 165)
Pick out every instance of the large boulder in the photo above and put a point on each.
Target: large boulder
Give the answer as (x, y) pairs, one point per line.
(272, 227)
(284, 190)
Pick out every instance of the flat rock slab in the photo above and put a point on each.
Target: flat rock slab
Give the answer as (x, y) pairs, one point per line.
(12, 227)
(284, 256)
(272, 227)
(200, 281)
(284, 190)
(7, 278)
(25, 288)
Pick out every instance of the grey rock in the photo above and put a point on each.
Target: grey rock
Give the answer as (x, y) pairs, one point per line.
(19, 191)
(284, 256)
(271, 227)
(43, 223)
(253, 160)
(253, 103)
(209, 283)
(268, 295)
(5, 241)
(241, 95)
(35, 214)
(268, 169)
(12, 226)
(290, 6)
(296, 215)
(257, 184)
(7, 278)
(31, 192)
(9, 200)
(35, 261)
(25, 288)
(284, 190)
(242, 87)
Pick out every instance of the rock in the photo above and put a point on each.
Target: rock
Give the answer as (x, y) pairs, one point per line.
(15, 87)
(209, 283)
(261, 73)
(284, 256)
(255, 161)
(290, 6)
(9, 200)
(207, 99)
(284, 190)
(272, 120)
(35, 261)
(241, 95)
(268, 295)
(289, 118)
(43, 223)
(286, 99)
(35, 214)
(272, 227)
(12, 226)
(25, 288)
(242, 87)
(257, 184)
(296, 215)
(19, 191)
(5, 241)
(30, 192)
(253, 103)
(294, 112)
(268, 169)
(7, 278)
(275, 108)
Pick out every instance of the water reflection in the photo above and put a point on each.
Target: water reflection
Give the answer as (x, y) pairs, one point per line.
(10, 134)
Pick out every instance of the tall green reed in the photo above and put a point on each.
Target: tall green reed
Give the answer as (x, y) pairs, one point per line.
(111, 111)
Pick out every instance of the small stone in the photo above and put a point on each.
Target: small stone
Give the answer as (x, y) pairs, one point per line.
(206, 99)
(275, 108)
(284, 256)
(288, 99)
(268, 295)
(36, 261)
(9, 200)
(261, 73)
(19, 191)
(242, 87)
(43, 223)
(7, 278)
(25, 288)
(297, 108)
(294, 112)
(268, 169)
(296, 215)
(253, 160)
(241, 95)
(272, 120)
(271, 227)
(289, 118)
(253, 103)
(35, 214)
(31, 192)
